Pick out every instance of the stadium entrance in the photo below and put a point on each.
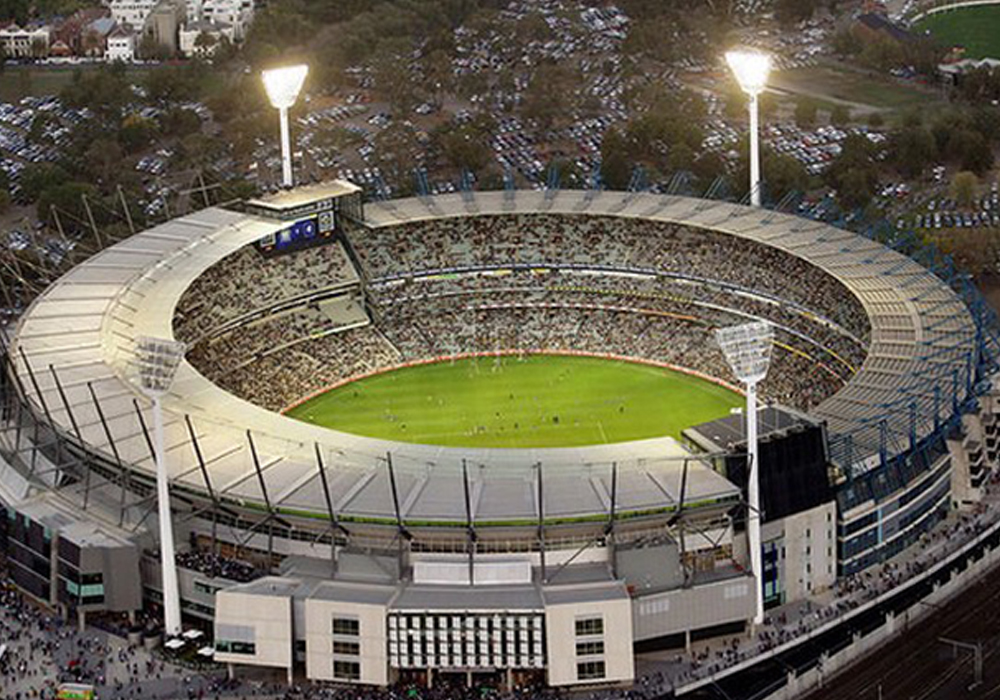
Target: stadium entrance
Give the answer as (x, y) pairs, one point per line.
(488, 681)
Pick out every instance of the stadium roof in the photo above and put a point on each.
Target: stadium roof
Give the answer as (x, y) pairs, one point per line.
(85, 325)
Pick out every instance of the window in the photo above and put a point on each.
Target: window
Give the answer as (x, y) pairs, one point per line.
(347, 648)
(589, 648)
(589, 670)
(205, 588)
(248, 648)
(347, 670)
(589, 625)
(346, 625)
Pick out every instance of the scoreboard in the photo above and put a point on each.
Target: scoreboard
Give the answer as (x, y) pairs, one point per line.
(309, 215)
(302, 233)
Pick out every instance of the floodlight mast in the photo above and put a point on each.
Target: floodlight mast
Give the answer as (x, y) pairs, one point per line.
(283, 86)
(751, 69)
(158, 361)
(748, 351)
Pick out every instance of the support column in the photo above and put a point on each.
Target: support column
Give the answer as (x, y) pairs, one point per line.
(171, 592)
(753, 504)
(286, 149)
(754, 151)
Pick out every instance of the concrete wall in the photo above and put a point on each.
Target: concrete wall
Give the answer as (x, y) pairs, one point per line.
(810, 563)
(560, 633)
(707, 605)
(268, 617)
(373, 638)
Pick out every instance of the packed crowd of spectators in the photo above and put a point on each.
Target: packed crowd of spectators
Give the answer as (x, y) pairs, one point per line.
(247, 280)
(215, 565)
(278, 379)
(544, 240)
(651, 290)
(244, 344)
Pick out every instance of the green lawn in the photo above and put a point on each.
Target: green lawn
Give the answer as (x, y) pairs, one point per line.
(536, 401)
(975, 28)
(39, 81)
(826, 83)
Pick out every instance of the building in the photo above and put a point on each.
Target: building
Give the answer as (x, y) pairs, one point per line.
(163, 24)
(237, 14)
(799, 508)
(18, 42)
(201, 38)
(121, 44)
(366, 626)
(94, 38)
(68, 561)
(72, 32)
(131, 12)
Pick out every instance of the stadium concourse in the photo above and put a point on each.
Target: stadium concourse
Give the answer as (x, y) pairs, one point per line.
(362, 561)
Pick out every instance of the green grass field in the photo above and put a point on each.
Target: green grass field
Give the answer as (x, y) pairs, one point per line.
(824, 83)
(975, 28)
(536, 401)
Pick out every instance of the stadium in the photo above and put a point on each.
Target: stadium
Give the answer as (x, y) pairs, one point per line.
(531, 548)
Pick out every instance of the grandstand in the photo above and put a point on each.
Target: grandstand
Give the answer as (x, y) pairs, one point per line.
(870, 344)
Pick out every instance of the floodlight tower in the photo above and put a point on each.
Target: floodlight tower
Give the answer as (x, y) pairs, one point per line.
(283, 86)
(158, 361)
(748, 351)
(751, 69)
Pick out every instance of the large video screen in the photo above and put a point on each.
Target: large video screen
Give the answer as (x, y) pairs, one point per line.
(300, 234)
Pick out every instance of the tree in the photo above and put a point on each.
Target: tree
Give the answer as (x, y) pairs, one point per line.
(393, 79)
(964, 186)
(790, 12)
(136, 133)
(840, 116)
(912, 149)
(969, 149)
(615, 166)
(854, 173)
(67, 197)
(150, 49)
(805, 112)
(38, 177)
(781, 174)
(463, 149)
(549, 97)
(205, 43)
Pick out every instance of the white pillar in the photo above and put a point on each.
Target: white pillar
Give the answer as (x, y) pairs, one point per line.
(286, 149)
(754, 150)
(753, 504)
(171, 594)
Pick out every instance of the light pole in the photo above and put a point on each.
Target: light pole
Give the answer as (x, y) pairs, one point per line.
(158, 361)
(283, 86)
(751, 69)
(748, 351)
